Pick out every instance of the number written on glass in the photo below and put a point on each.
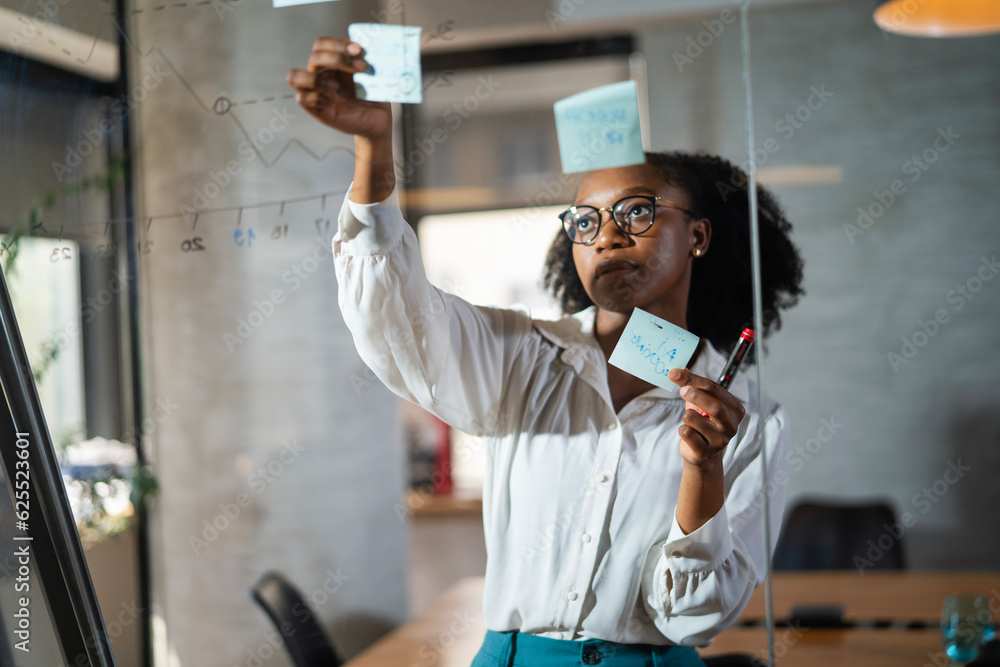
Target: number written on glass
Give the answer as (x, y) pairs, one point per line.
(242, 239)
(193, 244)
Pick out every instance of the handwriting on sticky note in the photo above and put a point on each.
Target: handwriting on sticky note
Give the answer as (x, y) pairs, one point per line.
(599, 128)
(393, 51)
(659, 356)
(650, 346)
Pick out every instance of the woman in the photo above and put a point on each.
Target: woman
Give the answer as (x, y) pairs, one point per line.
(622, 526)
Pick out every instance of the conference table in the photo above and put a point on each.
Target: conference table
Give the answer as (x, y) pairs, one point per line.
(888, 619)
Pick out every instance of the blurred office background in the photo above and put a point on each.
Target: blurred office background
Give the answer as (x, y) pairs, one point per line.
(274, 447)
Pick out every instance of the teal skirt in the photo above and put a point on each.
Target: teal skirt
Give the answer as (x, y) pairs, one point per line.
(517, 649)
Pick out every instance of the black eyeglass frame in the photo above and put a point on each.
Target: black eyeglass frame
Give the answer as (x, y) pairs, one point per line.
(652, 199)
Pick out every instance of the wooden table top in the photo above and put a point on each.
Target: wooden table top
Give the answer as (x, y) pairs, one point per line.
(446, 633)
(449, 632)
(815, 647)
(900, 595)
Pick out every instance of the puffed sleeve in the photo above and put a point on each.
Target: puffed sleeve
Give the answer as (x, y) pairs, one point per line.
(430, 347)
(694, 586)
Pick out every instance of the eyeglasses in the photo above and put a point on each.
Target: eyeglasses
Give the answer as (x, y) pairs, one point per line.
(633, 215)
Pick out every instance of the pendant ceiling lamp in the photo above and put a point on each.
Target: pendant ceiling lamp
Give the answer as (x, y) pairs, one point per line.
(939, 18)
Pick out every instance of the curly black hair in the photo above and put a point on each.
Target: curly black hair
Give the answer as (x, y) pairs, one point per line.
(720, 302)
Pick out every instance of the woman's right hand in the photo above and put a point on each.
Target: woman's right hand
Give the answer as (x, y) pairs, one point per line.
(326, 90)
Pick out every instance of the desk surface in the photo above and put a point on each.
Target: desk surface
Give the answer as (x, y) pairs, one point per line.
(873, 595)
(835, 648)
(449, 632)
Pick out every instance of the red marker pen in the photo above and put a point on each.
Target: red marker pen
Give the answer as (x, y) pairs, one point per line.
(735, 359)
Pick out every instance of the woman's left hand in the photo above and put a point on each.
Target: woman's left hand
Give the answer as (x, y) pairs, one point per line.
(711, 419)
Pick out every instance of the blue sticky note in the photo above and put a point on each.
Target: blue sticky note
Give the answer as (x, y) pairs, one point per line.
(393, 51)
(651, 346)
(599, 128)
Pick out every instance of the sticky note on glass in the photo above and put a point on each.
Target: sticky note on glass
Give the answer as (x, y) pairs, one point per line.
(651, 346)
(599, 128)
(393, 51)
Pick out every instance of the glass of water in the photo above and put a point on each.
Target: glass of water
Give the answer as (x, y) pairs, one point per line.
(964, 620)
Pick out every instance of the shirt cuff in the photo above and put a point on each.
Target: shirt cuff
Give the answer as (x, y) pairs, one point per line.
(369, 229)
(702, 549)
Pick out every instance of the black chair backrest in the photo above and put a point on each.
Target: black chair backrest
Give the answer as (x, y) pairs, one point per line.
(840, 536)
(295, 621)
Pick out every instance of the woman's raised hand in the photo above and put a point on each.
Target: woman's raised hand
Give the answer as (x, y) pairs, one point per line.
(711, 420)
(325, 89)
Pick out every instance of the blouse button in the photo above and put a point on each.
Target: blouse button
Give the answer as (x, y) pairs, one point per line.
(559, 635)
(571, 595)
(585, 537)
(603, 477)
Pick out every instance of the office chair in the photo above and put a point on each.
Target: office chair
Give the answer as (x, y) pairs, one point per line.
(840, 536)
(301, 633)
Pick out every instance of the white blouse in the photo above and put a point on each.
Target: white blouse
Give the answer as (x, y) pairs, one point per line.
(578, 501)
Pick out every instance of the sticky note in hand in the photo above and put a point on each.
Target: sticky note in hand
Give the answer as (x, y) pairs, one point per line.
(651, 346)
(599, 128)
(393, 51)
